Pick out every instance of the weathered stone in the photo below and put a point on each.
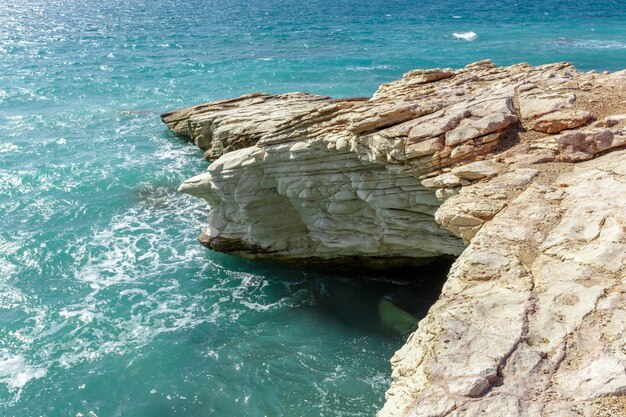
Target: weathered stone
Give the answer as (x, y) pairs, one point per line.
(424, 147)
(561, 120)
(562, 247)
(443, 194)
(444, 180)
(228, 125)
(469, 387)
(583, 145)
(477, 170)
(535, 103)
(470, 129)
(531, 319)
(610, 121)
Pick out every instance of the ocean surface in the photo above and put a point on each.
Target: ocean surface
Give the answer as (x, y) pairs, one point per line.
(108, 306)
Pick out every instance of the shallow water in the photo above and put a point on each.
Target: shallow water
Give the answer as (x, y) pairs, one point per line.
(108, 306)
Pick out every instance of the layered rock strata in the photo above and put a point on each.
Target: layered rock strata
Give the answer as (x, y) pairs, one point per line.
(517, 169)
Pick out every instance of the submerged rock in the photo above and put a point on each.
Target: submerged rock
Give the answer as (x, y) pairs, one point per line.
(396, 318)
(446, 162)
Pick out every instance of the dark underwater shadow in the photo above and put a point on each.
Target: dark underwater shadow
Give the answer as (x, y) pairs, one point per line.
(388, 302)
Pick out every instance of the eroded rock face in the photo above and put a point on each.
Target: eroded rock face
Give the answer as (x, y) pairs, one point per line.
(518, 170)
(227, 125)
(302, 177)
(300, 202)
(531, 321)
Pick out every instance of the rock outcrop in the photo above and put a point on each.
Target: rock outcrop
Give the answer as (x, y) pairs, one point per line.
(518, 170)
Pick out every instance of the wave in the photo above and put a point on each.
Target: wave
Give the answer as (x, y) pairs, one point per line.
(7, 147)
(369, 68)
(592, 43)
(15, 372)
(466, 36)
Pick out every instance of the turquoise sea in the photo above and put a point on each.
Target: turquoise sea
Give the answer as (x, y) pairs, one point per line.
(108, 306)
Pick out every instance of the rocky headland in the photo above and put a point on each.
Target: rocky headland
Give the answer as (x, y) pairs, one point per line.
(519, 172)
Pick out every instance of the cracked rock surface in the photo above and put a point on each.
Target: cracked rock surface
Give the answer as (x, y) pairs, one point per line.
(519, 171)
(536, 301)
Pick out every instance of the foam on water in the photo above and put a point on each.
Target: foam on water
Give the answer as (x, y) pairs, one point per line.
(592, 43)
(15, 372)
(466, 36)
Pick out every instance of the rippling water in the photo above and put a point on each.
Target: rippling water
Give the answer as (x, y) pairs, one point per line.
(108, 306)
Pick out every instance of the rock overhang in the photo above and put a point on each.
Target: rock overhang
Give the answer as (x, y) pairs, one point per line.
(483, 162)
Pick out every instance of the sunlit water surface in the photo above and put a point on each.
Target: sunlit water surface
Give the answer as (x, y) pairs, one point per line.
(108, 306)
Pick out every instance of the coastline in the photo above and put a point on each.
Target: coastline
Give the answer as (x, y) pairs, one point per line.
(502, 150)
(108, 304)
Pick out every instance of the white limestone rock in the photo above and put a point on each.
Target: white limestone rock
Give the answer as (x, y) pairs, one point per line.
(531, 320)
(556, 338)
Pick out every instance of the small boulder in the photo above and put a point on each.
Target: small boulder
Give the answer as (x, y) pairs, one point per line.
(610, 121)
(476, 170)
(396, 318)
(535, 104)
(561, 120)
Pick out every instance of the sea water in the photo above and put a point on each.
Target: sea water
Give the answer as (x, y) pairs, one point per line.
(108, 305)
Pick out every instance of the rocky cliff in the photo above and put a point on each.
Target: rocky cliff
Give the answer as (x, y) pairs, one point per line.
(517, 169)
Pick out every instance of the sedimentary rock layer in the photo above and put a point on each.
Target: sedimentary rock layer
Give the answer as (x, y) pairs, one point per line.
(531, 321)
(517, 169)
(304, 177)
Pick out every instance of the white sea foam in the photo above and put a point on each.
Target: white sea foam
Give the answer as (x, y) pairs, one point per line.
(10, 297)
(592, 43)
(379, 381)
(369, 68)
(6, 268)
(466, 36)
(121, 261)
(84, 315)
(15, 372)
(7, 147)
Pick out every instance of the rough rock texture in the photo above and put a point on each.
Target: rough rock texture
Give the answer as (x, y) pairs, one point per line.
(531, 321)
(304, 177)
(227, 125)
(517, 169)
(560, 120)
